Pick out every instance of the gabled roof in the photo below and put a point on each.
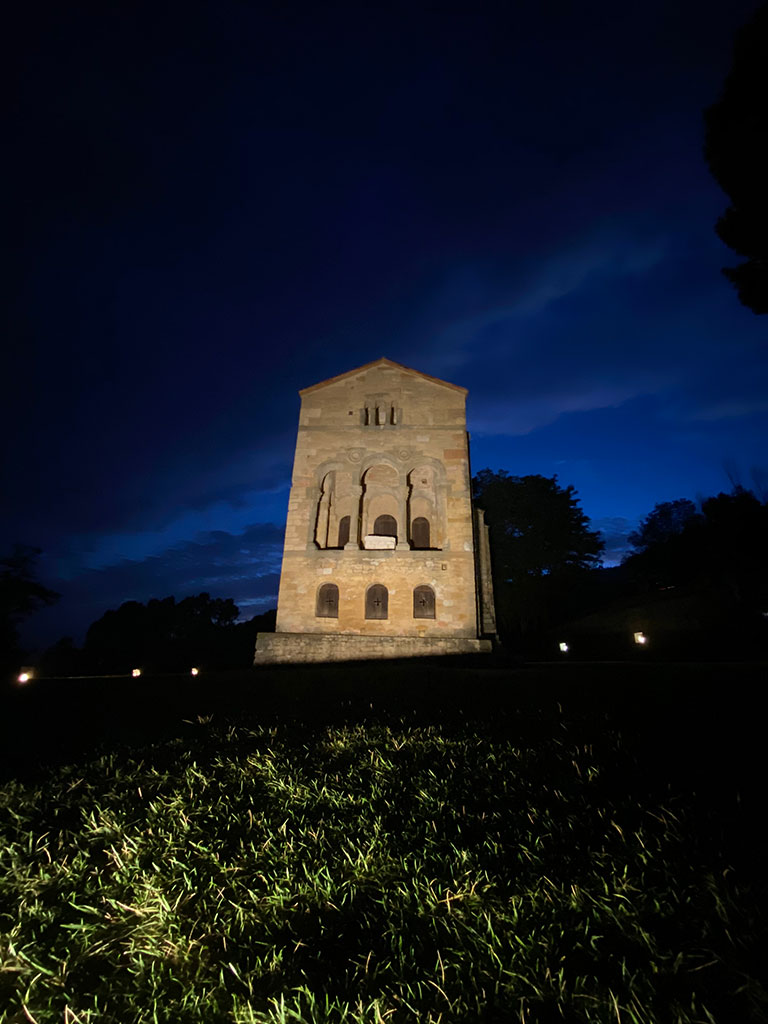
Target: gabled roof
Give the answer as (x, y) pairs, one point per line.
(382, 362)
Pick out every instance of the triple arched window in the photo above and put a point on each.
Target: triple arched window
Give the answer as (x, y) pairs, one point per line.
(376, 602)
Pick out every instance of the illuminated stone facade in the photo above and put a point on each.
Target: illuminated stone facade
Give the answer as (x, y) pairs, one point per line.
(383, 556)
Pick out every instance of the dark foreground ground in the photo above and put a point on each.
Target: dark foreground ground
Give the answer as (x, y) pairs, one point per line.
(697, 722)
(472, 813)
(698, 727)
(695, 727)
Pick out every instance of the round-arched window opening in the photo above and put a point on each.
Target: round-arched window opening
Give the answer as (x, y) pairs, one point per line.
(344, 531)
(423, 603)
(327, 602)
(385, 526)
(420, 533)
(377, 602)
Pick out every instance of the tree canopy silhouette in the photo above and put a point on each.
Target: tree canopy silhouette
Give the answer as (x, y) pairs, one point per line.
(667, 520)
(165, 635)
(737, 154)
(540, 544)
(20, 595)
(722, 550)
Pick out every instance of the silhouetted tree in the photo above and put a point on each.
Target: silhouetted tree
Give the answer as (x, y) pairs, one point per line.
(117, 641)
(541, 545)
(668, 547)
(164, 635)
(20, 595)
(63, 659)
(737, 153)
(243, 642)
(717, 557)
(668, 519)
(736, 552)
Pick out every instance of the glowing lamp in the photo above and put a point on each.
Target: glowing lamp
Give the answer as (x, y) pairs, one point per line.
(195, 672)
(24, 677)
(563, 647)
(640, 638)
(136, 672)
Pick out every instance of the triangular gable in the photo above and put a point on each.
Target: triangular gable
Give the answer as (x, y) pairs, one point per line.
(381, 362)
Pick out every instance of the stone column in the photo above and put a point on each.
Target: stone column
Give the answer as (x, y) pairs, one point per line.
(403, 524)
(355, 518)
(323, 511)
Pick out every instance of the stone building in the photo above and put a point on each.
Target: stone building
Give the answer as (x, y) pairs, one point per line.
(384, 556)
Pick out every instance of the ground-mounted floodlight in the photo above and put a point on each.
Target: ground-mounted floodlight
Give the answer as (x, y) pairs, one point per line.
(194, 672)
(136, 672)
(563, 646)
(640, 638)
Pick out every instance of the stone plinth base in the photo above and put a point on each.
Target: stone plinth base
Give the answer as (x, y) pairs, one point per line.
(280, 648)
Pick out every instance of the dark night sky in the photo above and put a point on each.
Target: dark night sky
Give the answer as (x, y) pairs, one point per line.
(212, 206)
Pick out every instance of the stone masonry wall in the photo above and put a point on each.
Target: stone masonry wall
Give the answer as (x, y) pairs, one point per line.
(293, 648)
(450, 574)
(382, 440)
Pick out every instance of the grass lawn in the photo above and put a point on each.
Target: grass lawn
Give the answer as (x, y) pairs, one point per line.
(426, 843)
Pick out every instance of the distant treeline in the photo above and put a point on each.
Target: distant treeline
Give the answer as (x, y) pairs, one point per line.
(697, 577)
(161, 636)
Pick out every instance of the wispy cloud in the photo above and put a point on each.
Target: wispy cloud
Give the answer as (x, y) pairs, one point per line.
(722, 409)
(236, 510)
(514, 416)
(467, 308)
(614, 531)
(242, 565)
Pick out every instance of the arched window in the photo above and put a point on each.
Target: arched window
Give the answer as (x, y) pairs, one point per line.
(385, 526)
(377, 602)
(327, 602)
(343, 531)
(420, 532)
(423, 603)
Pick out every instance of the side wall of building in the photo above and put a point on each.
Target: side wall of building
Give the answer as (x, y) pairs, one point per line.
(485, 601)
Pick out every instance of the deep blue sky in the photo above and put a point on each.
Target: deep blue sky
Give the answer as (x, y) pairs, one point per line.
(214, 205)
